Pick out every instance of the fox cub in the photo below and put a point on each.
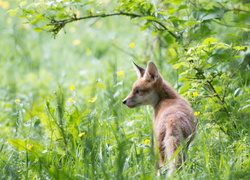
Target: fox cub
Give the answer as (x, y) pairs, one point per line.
(174, 123)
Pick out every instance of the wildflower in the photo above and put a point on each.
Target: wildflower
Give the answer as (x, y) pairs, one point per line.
(197, 113)
(195, 94)
(120, 73)
(147, 141)
(17, 100)
(71, 100)
(92, 100)
(5, 5)
(30, 147)
(72, 88)
(132, 45)
(76, 42)
(82, 134)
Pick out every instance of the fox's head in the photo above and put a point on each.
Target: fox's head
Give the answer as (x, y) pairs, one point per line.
(145, 89)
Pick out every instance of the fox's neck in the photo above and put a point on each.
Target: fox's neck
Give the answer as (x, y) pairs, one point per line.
(165, 91)
(166, 94)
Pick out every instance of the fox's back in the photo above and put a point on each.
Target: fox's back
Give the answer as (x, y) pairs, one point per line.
(176, 114)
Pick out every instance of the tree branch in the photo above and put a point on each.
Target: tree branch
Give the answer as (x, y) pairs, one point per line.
(59, 24)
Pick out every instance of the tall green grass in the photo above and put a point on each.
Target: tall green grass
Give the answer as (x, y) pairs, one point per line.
(58, 132)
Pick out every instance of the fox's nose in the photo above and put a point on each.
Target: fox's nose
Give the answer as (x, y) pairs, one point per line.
(124, 101)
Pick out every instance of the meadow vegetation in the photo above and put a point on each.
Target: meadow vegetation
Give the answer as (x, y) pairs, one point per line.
(62, 86)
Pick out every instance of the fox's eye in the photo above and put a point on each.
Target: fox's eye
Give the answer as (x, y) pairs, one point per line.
(138, 91)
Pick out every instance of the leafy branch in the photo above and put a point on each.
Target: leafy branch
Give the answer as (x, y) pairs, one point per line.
(216, 94)
(59, 24)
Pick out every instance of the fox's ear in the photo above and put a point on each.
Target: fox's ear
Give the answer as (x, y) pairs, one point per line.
(139, 71)
(151, 71)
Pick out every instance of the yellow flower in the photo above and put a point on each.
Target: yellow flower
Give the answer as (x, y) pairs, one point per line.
(30, 147)
(147, 141)
(120, 73)
(92, 100)
(195, 94)
(197, 113)
(72, 88)
(5, 5)
(71, 100)
(132, 45)
(17, 100)
(76, 42)
(82, 134)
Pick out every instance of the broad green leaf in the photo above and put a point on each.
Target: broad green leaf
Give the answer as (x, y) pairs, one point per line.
(148, 18)
(171, 10)
(101, 85)
(245, 109)
(236, 57)
(183, 73)
(162, 13)
(50, 126)
(22, 3)
(240, 48)
(190, 23)
(178, 65)
(38, 30)
(12, 12)
(172, 52)
(47, 27)
(185, 88)
(182, 7)
(210, 16)
(147, 25)
(25, 144)
(209, 41)
(175, 2)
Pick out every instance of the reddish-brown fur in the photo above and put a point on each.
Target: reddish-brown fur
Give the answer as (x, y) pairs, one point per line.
(174, 122)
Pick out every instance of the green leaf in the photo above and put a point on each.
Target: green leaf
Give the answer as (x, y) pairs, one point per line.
(190, 23)
(162, 13)
(178, 65)
(146, 26)
(22, 144)
(240, 48)
(209, 41)
(151, 18)
(245, 109)
(183, 73)
(101, 86)
(171, 10)
(182, 7)
(12, 12)
(22, 3)
(38, 30)
(50, 126)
